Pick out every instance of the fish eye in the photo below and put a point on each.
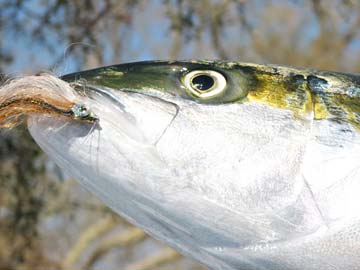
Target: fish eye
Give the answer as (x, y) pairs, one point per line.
(202, 82)
(205, 83)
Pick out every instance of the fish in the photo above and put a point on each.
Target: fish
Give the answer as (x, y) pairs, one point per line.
(236, 165)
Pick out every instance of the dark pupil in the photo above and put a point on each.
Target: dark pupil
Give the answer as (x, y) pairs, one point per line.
(203, 82)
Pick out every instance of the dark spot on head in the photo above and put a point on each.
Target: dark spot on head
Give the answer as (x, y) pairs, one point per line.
(317, 84)
(296, 78)
(248, 70)
(294, 81)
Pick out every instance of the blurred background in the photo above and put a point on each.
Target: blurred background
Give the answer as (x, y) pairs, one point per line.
(47, 221)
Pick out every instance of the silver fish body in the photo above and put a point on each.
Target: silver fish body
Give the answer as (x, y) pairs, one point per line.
(258, 171)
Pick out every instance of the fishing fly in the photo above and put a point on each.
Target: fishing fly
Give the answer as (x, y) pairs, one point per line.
(44, 95)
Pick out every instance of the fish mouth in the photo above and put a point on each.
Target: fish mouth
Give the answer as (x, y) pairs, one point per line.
(118, 146)
(141, 117)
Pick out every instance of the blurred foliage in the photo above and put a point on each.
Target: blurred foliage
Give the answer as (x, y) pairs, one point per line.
(46, 220)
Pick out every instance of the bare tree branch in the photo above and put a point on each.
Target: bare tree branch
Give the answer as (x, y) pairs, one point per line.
(216, 25)
(125, 239)
(90, 234)
(164, 256)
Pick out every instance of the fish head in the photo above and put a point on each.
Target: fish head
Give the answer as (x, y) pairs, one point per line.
(205, 156)
(191, 123)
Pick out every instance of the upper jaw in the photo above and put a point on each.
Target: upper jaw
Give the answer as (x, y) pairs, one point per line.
(148, 116)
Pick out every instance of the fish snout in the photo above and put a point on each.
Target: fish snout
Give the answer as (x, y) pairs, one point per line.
(143, 117)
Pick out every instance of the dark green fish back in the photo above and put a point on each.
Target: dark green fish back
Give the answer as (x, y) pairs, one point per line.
(321, 94)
